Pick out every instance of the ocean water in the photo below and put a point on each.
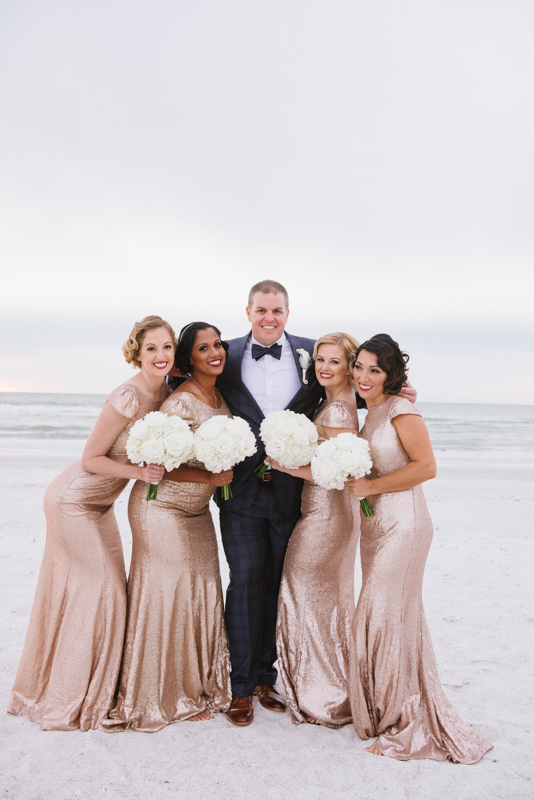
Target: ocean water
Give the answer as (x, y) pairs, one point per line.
(59, 424)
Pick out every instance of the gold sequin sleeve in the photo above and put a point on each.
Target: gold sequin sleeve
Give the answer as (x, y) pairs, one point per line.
(401, 406)
(124, 399)
(339, 415)
(179, 405)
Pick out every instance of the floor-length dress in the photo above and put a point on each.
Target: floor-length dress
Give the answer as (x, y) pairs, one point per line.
(394, 686)
(316, 601)
(176, 661)
(70, 664)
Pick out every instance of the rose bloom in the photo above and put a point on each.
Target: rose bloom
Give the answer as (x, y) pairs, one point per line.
(225, 444)
(152, 450)
(155, 418)
(176, 444)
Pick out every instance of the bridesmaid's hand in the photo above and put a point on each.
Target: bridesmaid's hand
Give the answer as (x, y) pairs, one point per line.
(275, 465)
(152, 473)
(221, 478)
(408, 392)
(360, 487)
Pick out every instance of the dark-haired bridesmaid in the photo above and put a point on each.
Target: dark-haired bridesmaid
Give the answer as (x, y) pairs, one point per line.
(394, 687)
(176, 664)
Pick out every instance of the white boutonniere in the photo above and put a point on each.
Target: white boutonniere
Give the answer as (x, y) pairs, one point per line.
(304, 361)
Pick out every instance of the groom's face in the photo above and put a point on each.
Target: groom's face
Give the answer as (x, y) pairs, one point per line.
(268, 316)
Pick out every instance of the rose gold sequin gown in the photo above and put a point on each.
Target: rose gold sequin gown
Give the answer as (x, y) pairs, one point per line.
(316, 601)
(176, 661)
(394, 686)
(70, 664)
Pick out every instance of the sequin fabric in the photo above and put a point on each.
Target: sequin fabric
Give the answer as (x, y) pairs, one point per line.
(316, 601)
(176, 661)
(70, 663)
(394, 686)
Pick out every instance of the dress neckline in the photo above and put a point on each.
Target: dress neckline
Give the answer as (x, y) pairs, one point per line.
(152, 400)
(184, 391)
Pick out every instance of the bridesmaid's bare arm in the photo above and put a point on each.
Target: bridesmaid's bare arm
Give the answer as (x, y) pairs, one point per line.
(105, 432)
(300, 472)
(185, 474)
(414, 436)
(305, 472)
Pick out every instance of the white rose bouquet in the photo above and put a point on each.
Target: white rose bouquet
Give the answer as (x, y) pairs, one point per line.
(289, 438)
(159, 438)
(222, 442)
(344, 456)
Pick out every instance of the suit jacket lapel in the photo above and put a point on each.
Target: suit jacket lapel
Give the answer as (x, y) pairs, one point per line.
(295, 342)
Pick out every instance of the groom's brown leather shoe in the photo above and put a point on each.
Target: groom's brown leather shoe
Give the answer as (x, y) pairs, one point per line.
(241, 711)
(269, 698)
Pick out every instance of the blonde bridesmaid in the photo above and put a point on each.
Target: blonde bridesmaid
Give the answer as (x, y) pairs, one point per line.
(70, 664)
(176, 663)
(316, 601)
(394, 686)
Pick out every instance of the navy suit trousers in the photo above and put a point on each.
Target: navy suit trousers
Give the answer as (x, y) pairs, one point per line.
(255, 543)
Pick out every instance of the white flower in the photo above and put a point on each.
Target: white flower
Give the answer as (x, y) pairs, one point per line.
(225, 444)
(155, 419)
(160, 439)
(222, 442)
(139, 429)
(179, 446)
(289, 438)
(304, 361)
(152, 450)
(203, 450)
(339, 458)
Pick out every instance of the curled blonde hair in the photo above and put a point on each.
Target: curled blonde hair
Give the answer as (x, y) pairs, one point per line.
(131, 346)
(348, 344)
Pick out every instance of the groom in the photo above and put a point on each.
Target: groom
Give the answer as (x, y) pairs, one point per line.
(262, 374)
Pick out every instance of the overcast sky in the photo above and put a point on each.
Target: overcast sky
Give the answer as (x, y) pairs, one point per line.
(374, 156)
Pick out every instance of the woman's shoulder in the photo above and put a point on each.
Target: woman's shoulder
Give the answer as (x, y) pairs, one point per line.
(180, 403)
(339, 414)
(125, 399)
(399, 406)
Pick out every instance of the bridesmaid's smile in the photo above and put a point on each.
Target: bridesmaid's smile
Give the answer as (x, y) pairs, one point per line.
(369, 378)
(156, 354)
(208, 355)
(332, 367)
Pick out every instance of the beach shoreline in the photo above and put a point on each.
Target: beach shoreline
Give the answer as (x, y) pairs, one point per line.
(478, 599)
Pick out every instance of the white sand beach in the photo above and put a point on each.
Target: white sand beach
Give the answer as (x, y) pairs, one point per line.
(479, 600)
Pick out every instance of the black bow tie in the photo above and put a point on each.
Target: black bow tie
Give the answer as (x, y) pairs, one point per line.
(275, 350)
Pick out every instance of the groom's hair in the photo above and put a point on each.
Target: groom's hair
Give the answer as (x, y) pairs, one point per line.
(268, 287)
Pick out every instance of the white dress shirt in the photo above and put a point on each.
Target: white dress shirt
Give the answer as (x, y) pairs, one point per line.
(272, 383)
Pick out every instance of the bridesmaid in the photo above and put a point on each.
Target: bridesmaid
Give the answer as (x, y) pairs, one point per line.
(394, 687)
(70, 663)
(316, 602)
(176, 664)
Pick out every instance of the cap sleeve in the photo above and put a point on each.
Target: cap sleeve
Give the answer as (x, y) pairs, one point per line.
(402, 406)
(124, 399)
(339, 415)
(179, 405)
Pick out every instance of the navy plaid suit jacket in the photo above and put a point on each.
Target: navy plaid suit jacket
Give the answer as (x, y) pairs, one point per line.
(245, 485)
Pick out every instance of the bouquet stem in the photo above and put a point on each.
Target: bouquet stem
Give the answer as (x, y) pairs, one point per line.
(226, 492)
(366, 508)
(152, 491)
(261, 470)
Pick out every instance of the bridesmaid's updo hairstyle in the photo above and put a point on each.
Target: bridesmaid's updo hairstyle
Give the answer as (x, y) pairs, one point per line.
(186, 341)
(132, 344)
(345, 341)
(390, 358)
